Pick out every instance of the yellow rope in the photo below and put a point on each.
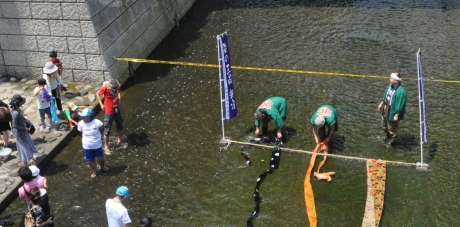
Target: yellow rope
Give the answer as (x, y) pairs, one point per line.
(228, 141)
(140, 60)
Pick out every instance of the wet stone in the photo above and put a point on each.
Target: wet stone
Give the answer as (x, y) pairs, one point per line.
(87, 87)
(13, 79)
(2, 90)
(17, 92)
(9, 181)
(29, 111)
(80, 86)
(79, 98)
(25, 88)
(2, 188)
(24, 80)
(30, 82)
(4, 170)
(69, 94)
(82, 92)
(92, 97)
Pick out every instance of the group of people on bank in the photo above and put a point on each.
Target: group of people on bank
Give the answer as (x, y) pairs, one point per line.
(48, 97)
(324, 120)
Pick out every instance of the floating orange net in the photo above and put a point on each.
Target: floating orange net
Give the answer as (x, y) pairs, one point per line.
(376, 178)
(308, 190)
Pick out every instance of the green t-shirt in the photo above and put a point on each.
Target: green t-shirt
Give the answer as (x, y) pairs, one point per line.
(68, 112)
(328, 112)
(276, 108)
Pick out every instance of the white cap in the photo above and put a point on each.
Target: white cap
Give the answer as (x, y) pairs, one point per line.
(35, 170)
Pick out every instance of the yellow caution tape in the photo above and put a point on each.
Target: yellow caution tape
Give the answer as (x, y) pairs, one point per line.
(140, 60)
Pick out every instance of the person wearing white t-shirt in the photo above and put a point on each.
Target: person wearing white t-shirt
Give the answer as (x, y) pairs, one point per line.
(91, 130)
(117, 214)
(43, 102)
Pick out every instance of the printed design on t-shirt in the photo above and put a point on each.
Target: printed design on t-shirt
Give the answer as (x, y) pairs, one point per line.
(325, 112)
(266, 105)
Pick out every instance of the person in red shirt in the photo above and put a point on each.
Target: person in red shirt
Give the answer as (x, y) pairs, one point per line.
(56, 61)
(111, 106)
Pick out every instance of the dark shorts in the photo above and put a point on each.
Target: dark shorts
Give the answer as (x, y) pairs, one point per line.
(108, 120)
(91, 154)
(46, 111)
(5, 126)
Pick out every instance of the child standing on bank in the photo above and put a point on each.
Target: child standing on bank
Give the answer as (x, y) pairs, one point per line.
(43, 102)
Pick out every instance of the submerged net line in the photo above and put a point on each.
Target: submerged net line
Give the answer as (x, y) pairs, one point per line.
(229, 141)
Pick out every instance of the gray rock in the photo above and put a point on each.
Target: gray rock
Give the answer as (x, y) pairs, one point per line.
(80, 86)
(24, 80)
(10, 181)
(82, 92)
(13, 79)
(12, 86)
(69, 94)
(2, 90)
(2, 188)
(92, 97)
(30, 111)
(19, 92)
(30, 82)
(65, 85)
(88, 87)
(25, 88)
(14, 171)
(79, 98)
(4, 170)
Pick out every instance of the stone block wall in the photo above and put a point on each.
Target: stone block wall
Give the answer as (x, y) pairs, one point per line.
(86, 34)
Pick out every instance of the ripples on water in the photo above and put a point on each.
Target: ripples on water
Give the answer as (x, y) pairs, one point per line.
(184, 178)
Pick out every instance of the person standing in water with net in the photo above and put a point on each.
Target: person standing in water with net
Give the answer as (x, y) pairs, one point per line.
(392, 107)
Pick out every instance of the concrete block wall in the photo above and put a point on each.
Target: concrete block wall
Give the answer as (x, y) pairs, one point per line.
(86, 34)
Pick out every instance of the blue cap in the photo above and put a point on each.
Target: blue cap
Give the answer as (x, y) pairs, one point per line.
(86, 113)
(122, 191)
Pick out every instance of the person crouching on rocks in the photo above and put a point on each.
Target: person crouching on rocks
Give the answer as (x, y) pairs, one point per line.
(72, 111)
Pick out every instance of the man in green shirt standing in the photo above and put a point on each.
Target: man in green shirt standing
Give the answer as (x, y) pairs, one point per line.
(392, 107)
(272, 108)
(325, 116)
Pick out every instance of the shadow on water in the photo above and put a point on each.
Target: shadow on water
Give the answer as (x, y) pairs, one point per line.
(141, 139)
(433, 150)
(337, 144)
(407, 142)
(54, 168)
(5, 221)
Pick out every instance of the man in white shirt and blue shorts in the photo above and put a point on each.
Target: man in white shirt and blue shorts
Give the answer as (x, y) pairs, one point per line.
(91, 130)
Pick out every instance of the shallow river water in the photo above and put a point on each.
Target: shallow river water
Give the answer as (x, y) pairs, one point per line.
(182, 175)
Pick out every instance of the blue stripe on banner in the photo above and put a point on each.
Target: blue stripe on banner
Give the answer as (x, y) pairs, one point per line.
(228, 95)
(421, 94)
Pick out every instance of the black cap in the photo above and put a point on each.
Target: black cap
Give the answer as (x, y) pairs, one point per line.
(114, 84)
(18, 100)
